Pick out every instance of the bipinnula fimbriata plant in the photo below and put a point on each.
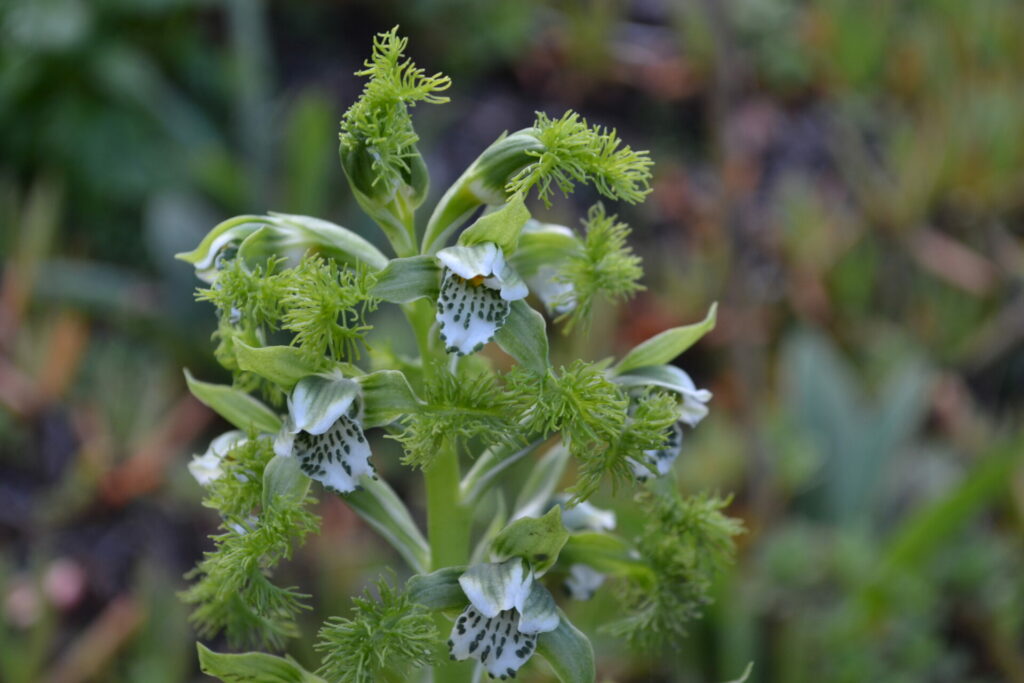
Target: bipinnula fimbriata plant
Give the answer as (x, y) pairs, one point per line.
(295, 297)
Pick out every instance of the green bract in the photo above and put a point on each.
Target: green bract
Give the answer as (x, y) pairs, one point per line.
(295, 298)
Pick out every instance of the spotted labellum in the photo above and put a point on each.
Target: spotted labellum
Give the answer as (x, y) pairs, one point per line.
(508, 610)
(477, 289)
(323, 430)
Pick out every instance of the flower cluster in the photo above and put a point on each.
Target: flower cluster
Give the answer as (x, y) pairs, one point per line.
(294, 296)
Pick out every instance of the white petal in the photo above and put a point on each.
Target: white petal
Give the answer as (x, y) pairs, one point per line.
(537, 611)
(510, 284)
(205, 468)
(285, 438)
(336, 458)
(318, 401)
(495, 641)
(583, 581)
(226, 442)
(470, 262)
(693, 408)
(586, 517)
(496, 587)
(533, 226)
(558, 297)
(469, 314)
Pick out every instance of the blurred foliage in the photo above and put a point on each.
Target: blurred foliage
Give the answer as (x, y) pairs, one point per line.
(845, 176)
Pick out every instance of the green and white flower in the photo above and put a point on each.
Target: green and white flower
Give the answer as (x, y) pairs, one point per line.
(585, 517)
(558, 296)
(477, 289)
(207, 467)
(658, 461)
(692, 408)
(323, 430)
(583, 580)
(546, 248)
(692, 401)
(508, 610)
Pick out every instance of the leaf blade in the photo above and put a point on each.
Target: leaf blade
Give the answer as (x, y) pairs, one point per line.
(252, 666)
(568, 651)
(524, 337)
(382, 509)
(665, 347)
(235, 406)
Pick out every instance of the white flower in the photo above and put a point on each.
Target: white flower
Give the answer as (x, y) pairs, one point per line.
(475, 293)
(557, 295)
(585, 517)
(583, 580)
(323, 430)
(693, 401)
(207, 467)
(692, 408)
(545, 279)
(508, 610)
(659, 461)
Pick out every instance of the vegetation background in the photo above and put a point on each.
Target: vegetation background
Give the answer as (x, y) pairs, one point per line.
(846, 177)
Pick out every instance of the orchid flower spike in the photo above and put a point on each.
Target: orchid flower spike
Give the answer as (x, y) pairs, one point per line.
(207, 467)
(508, 610)
(477, 288)
(323, 429)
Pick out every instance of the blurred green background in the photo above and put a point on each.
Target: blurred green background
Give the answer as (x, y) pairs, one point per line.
(846, 177)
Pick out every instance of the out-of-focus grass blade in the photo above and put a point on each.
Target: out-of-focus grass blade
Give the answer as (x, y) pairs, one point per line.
(933, 524)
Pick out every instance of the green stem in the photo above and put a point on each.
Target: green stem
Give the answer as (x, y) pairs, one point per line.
(448, 522)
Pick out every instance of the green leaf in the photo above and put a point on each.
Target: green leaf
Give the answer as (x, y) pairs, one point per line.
(501, 226)
(237, 228)
(408, 279)
(535, 539)
(253, 667)
(745, 675)
(383, 510)
(483, 182)
(263, 235)
(333, 239)
(604, 552)
(541, 484)
(387, 396)
(282, 477)
(438, 590)
(665, 347)
(488, 467)
(931, 526)
(234, 405)
(282, 365)
(569, 652)
(524, 337)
